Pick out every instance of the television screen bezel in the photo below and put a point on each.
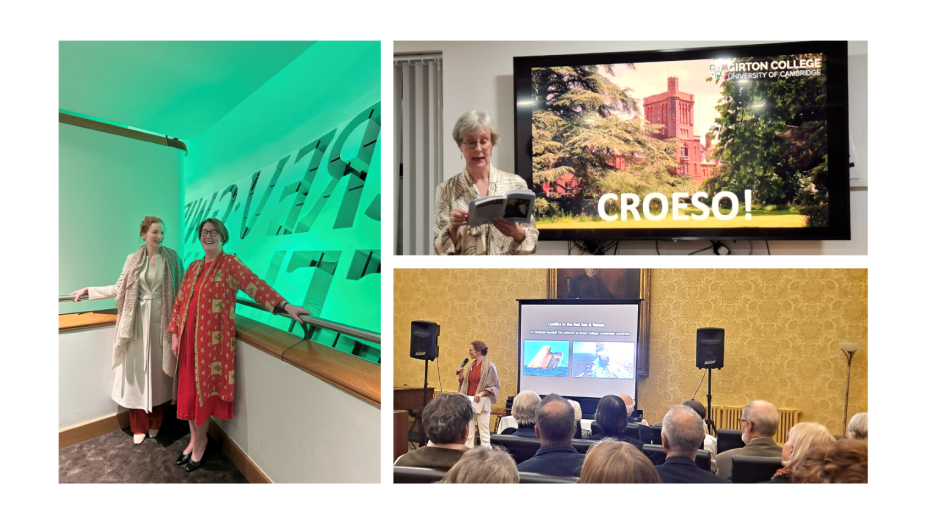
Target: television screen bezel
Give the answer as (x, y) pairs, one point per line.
(837, 86)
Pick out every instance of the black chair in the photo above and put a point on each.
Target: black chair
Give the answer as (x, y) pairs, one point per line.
(645, 434)
(536, 478)
(703, 460)
(728, 439)
(657, 455)
(747, 469)
(656, 434)
(520, 448)
(583, 445)
(406, 475)
(631, 431)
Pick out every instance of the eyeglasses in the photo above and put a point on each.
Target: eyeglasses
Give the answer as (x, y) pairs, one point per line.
(472, 144)
(209, 233)
(741, 420)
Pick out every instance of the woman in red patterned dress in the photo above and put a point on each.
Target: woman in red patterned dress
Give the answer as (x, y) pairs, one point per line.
(203, 334)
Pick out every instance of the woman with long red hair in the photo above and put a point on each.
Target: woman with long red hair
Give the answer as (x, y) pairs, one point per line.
(142, 359)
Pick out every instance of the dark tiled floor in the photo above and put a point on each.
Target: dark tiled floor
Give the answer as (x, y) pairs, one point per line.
(114, 458)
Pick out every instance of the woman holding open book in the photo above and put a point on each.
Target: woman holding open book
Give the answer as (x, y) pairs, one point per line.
(476, 135)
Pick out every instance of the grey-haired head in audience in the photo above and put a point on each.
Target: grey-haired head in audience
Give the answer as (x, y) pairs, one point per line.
(682, 432)
(762, 418)
(484, 465)
(858, 427)
(555, 421)
(446, 416)
(524, 408)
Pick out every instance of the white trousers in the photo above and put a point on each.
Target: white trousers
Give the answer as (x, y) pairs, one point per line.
(484, 429)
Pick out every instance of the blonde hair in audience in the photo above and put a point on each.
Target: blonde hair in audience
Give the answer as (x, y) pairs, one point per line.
(804, 436)
(858, 427)
(612, 462)
(483, 465)
(524, 407)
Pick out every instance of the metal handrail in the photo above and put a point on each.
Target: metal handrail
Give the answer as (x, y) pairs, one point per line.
(341, 328)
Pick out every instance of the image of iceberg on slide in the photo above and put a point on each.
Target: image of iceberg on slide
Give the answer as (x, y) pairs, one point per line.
(603, 360)
(545, 358)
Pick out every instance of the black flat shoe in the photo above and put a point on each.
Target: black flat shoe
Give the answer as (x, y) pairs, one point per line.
(183, 459)
(191, 466)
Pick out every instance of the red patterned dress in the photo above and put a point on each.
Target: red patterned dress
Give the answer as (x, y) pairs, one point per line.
(204, 319)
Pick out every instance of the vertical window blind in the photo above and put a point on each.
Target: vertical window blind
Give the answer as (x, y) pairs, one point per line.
(417, 150)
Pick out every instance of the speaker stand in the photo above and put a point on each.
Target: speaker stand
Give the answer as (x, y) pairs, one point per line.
(710, 421)
(418, 421)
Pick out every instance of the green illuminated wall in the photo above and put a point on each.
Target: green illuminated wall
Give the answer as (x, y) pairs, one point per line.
(294, 171)
(106, 185)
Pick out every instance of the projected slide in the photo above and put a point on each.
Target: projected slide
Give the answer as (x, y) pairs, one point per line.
(545, 358)
(603, 360)
(582, 348)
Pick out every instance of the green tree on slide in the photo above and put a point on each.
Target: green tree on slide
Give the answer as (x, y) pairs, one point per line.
(772, 139)
(577, 129)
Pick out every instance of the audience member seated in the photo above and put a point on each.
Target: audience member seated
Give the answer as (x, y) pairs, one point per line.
(524, 412)
(612, 462)
(710, 443)
(445, 420)
(555, 427)
(858, 428)
(801, 438)
(612, 419)
(630, 407)
(579, 432)
(845, 461)
(483, 465)
(758, 425)
(682, 435)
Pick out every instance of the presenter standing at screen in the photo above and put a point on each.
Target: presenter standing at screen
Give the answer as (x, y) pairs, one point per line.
(476, 136)
(203, 334)
(142, 360)
(480, 383)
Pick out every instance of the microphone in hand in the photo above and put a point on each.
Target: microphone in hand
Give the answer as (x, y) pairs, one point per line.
(461, 367)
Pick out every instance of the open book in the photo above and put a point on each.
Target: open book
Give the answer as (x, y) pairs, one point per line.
(515, 205)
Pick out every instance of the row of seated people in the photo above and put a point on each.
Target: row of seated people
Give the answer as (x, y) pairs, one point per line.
(551, 454)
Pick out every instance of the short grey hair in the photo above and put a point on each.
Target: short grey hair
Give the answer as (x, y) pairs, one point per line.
(859, 424)
(484, 465)
(683, 430)
(446, 416)
(471, 123)
(764, 417)
(555, 419)
(524, 407)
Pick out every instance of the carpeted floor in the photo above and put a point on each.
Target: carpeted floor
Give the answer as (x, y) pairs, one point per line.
(114, 458)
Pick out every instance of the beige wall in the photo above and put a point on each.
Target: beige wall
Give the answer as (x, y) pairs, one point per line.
(783, 327)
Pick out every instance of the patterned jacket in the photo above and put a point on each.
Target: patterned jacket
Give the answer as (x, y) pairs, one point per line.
(456, 193)
(215, 308)
(487, 382)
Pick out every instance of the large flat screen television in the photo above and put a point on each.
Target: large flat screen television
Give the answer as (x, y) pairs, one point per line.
(719, 143)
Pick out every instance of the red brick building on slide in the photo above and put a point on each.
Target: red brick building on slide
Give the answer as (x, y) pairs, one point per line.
(674, 110)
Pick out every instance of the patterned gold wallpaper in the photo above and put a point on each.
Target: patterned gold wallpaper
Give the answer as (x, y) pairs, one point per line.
(783, 328)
